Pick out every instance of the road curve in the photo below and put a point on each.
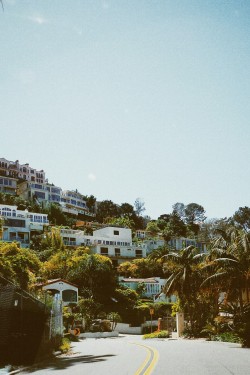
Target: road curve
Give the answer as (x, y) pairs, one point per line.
(131, 355)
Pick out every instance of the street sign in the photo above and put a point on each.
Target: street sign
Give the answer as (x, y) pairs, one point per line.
(151, 311)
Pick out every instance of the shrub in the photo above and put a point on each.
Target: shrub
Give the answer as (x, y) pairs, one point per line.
(227, 337)
(65, 345)
(156, 335)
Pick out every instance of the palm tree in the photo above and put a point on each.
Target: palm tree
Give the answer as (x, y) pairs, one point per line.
(184, 280)
(229, 265)
(159, 253)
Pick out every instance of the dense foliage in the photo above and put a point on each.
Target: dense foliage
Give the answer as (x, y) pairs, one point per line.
(206, 284)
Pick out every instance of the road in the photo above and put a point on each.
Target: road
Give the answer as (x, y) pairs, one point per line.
(131, 355)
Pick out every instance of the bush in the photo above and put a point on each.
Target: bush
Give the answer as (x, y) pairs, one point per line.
(156, 335)
(65, 345)
(227, 337)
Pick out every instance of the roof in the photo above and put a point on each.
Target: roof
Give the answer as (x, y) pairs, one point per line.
(49, 282)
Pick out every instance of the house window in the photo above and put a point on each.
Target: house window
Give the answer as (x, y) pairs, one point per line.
(69, 295)
(117, 252)
(104, 251)
(116, 232)
(138, 253)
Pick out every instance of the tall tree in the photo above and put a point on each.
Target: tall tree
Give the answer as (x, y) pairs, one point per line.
(139, 206)
(241, 218)
(194, 213)
(107, 209)
(184, 279)
(179, 209)
(174, 228)
(127, 210)
(90, 202)
(152, 228)
(229, 265)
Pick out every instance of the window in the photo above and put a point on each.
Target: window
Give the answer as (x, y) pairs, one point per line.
(104, 251)
(116, 232)
(15, 223)
(117, 252)
(138, 253)
(38, 194)
(69, 295)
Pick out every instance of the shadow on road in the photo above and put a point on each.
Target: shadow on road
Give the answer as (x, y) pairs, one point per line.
(64, 363)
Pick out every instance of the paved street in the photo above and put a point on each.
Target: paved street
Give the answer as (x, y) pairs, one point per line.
(130, 355)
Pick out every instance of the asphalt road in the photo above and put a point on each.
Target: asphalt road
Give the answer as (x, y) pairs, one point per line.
(131, 355)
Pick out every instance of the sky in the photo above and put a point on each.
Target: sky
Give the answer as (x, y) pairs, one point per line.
(125, 99)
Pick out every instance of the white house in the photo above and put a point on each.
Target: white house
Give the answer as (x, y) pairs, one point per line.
(19, 224)
(62, 290)
(153, 287)
(114, 242)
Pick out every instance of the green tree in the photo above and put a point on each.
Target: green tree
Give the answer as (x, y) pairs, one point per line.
(174, 228)
(107, 209)
(141, 268)
(21, 265)
(184, 280)
(241, 218)
(90, 202)
(94, 272)
(124, 222)
(194, 213)
(127, 210)
(229, 265)
(152, 228)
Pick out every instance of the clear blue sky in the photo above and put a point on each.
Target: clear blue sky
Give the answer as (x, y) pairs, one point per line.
(129, 98)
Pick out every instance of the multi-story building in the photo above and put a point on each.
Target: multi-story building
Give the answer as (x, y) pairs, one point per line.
(8, 185)
(73, 202)
(42, 192)
(29, 183)
(21, 171)
(18, 225)
(116, 243)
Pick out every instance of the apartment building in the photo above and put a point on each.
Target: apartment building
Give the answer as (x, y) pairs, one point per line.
(74, 203)
(41, 192)
(20, 171)
(29, 183)
(19, 225)
(8, 185)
